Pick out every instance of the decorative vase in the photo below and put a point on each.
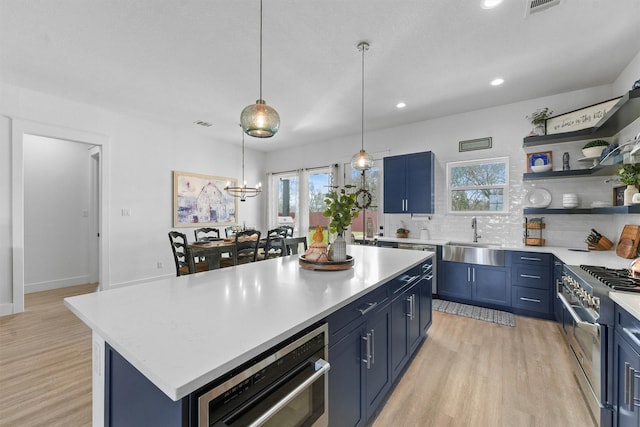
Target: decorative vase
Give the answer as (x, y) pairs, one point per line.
(339, 249)
(538, 129)
(628, 194)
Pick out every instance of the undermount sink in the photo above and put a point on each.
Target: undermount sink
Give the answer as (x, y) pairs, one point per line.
(474, 253)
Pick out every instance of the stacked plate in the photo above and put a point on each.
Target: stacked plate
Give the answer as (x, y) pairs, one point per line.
(570, 200)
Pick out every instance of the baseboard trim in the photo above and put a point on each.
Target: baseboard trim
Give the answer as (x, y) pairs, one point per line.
(6, 309)
(55, 284)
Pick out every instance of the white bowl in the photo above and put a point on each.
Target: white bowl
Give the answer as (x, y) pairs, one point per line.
(593, 151)
(541, 168)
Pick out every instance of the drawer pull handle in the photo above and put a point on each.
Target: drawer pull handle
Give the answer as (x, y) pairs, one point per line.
(529, 276)
(529, 299)
(371, 306)
(526, 258)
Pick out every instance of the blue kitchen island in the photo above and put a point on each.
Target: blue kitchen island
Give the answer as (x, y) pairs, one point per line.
(175, 336)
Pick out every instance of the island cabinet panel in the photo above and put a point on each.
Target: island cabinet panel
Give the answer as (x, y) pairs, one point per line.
(426, 295)
(133, 401)
(405, 329)
(408, 183)
(626, 369)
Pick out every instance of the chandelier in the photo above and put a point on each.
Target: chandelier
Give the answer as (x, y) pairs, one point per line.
(259, 119)
(362, 160)
(243, 191)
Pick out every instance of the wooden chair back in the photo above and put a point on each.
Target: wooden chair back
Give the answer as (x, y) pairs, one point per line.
(206, 233)
(247, 242)
(293, 243)
(179, 247)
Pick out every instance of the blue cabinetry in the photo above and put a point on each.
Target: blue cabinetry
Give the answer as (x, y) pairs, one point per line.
(408, 183)
(475, 283)
(626, 369)
(532, 281)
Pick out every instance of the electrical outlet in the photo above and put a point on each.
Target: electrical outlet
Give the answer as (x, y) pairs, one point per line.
(126, 212)
(160, 264)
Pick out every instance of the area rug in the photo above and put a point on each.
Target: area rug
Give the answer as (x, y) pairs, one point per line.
(480, 313)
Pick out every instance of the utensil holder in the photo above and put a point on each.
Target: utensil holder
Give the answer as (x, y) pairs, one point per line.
(603, 244)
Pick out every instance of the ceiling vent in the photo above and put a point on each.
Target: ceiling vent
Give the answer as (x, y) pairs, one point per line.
(534, 6)
(202, 123)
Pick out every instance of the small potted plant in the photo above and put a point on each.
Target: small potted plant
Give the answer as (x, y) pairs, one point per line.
(629, 174)
(594, 148)
(402, 233)
(537, 119)
(341, 209)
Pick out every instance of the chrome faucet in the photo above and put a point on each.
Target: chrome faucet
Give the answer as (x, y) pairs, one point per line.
(474, 225)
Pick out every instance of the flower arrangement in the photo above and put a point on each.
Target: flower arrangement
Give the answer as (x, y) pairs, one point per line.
(340, 209)
(539, 116)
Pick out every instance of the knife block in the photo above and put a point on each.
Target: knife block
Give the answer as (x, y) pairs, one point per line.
(603, 244)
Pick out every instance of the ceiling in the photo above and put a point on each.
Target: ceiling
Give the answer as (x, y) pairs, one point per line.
(179, 61)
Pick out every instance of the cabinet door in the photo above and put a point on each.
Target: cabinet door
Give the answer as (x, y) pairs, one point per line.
(626, 382)
(378, 374)
(346, 379)
(413, 320)
(491, 285)
(394, 184)
(419, 193)
(454, 279)
(405, 329)
(425, 290)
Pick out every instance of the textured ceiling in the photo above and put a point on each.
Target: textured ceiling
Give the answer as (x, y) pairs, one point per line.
(184, 60)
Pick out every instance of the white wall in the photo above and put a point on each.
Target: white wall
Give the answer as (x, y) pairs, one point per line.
(143, 154)
(507, 125)
(56, 220)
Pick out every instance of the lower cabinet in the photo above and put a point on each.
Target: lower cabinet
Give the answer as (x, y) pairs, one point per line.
(371, 341)
(480, 283)
(626, 369)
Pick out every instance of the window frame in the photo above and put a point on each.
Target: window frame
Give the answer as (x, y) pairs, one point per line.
(504, 187)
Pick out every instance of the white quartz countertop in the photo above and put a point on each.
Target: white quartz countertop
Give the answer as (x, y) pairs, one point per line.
(628, 301)
(184, 332)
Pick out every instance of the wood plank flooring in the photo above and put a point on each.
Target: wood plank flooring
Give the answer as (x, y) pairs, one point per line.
(45, 363)
(468, 373)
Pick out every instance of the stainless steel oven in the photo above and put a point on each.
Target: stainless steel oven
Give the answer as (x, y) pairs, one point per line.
(286, 386)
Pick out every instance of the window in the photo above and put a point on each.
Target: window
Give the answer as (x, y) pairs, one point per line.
(478, 186)
(368, 218)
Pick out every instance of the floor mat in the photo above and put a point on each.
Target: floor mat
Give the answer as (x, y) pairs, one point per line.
(480, 313)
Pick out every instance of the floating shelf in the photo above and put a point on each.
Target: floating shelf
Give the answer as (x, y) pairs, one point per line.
(634, 209)
(596, 171)
(626, 111)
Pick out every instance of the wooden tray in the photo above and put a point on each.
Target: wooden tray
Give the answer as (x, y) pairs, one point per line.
(628, 243)
(326, 265)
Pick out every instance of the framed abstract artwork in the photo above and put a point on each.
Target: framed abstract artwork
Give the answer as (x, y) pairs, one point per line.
(200, 200)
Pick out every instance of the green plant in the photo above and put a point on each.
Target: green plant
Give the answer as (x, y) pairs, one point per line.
(402, 231)
(539, 116)
(340, 209)
(629, 173)
(596, 143)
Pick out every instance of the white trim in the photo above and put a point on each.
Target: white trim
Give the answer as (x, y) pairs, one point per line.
(56, 284)
(98, 379)
(19, 128)
(6, 309)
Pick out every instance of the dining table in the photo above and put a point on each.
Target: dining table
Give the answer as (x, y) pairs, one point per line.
(211, 251)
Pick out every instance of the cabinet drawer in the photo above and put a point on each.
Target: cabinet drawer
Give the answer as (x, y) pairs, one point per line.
(531, 258)
(628, 327)
(530, 299)
(530, 276)
(371, 302)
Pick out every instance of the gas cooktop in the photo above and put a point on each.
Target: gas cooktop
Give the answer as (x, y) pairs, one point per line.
(616, 279)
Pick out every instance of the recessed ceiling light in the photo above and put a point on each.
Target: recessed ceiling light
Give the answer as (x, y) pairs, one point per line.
(401, 105)
(490, 4)
(497, 82)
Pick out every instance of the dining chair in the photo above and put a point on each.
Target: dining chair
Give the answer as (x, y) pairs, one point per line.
(247, 242)
(206, 233)
(292, 244)
(274, 246)
(289, 229)
(180, 248)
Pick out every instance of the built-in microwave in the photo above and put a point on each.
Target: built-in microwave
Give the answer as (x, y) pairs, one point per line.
(285, 386)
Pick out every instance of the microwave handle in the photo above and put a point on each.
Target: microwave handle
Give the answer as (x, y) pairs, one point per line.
(592, 328)
(320, 366)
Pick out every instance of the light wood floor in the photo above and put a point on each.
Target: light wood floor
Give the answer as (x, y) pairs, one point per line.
(45, 363)
(469, 373)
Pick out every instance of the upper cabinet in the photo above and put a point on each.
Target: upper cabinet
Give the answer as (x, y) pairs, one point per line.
(408, 183)
(626, 111)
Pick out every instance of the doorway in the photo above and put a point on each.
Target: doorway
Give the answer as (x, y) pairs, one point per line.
(22, 130)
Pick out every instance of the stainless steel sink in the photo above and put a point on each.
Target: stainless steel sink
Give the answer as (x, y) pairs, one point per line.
(474, 253)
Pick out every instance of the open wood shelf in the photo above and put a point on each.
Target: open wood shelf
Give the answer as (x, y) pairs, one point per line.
(596, 171)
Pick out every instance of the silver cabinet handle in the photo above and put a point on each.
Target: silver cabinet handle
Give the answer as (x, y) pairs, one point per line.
(468, 274)
(529, 276)
(321, 367)
(371, 306)
(367, 358)
(407, 209)
(529, 299)
(592, 328)
(628, 384)
(526, 258)
(373, 347)
(409, 308)
(412, 307)
(474, 274)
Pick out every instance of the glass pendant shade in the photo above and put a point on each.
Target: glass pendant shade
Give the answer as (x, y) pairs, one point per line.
(260, 120)
(362, 161)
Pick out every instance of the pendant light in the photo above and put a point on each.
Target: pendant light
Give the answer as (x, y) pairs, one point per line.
(259, 119)
(243, 191)
(362, 160)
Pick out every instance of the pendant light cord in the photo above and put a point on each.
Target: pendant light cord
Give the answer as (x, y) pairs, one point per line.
(364, 47)
(261, 50)
(243, 181)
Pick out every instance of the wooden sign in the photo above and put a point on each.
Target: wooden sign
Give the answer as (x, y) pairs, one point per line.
(579, 119)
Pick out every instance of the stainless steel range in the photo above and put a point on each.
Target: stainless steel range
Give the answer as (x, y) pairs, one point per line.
(587, 323)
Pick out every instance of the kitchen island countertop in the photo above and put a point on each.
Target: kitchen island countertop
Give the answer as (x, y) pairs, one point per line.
(184, 332)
